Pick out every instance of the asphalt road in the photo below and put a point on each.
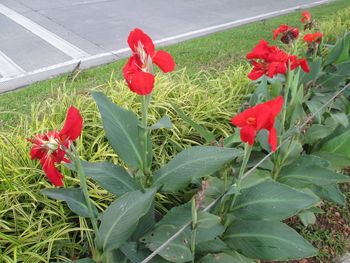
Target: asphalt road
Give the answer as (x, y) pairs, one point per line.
(43, 38)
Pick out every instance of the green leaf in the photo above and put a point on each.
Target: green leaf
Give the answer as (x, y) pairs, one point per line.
(307, 218)
(330, 193)
(229, 257)
(136, 253)
(315, 68)
(215, 245)
(339, 145)
(177, 251)
(120, 219)
(307, 171)
(255, 177)
(164, 122)
(74, 198)
(341, 117)
(194, 162)
(266, 240)
(337, 161)
(317, 132)
(270, 200)
(121, 128)
(114, 178)
(207, 135)
(340, 52)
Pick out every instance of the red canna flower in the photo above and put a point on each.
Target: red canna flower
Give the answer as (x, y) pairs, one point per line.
(313, 38)
(50, 148)
(270, 61)
(138, 71)
(262, 116)
(305, 17)
(288, 33)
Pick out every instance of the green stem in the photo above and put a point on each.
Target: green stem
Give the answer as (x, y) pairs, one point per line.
(144, 108)
(247, 151)
(194, 228)
(83, 185)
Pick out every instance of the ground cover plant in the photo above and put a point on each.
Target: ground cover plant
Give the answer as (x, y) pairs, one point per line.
(97, 141)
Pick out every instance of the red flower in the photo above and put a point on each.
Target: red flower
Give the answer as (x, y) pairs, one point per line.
(305, 17)
(313, 38)
(50, 148)
(288, 33)
(138, 71)
(261, 116)
(270, 61)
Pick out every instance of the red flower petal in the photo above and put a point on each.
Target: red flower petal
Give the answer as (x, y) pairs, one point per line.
(306, 17)
(72, 126)
(272, 140)
(136, 36)
(248, 134)
(138, 81)
(164, 61)
(55, 177)
(240, 120)
(259, 51)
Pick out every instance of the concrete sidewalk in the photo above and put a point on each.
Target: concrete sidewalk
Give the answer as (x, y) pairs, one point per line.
(40, 39)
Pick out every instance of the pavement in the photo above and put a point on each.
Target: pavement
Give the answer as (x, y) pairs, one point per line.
(43, 38)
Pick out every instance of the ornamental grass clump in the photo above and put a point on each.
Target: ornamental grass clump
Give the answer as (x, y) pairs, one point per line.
(284, 157)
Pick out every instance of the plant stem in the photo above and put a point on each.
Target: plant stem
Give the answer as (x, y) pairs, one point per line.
(247, 151)
(144, 108)
(83, 185)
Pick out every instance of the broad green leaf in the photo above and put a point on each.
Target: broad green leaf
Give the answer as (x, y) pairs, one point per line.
(317, 132)
(232, 139)
(207, 234)
(307, 218)
(164, 122)
(146, 223)
(120, 219)
(114, 178)
(194, 162)
(215, 245)
(207, 135)
(341, 117)
(339, 145)
(270, 200)
(207, 220)
(177, 216)
(307, 170)
(337, 161)
(136, 253)
(74, 198)
(121, 128)
(228, 257)
(255, 177)
(266, 240)
(340, 52)
(330, 193)
(291, 151)
(315, 68)
(177, 251)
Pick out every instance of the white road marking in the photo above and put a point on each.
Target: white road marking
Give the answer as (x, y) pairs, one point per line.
(107, 57)
(8, 68)
(56, 41)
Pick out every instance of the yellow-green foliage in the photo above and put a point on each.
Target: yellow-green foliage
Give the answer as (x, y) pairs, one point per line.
(34, 228)
(335, 25)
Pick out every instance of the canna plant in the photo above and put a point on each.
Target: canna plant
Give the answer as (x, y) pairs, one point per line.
(239, 189)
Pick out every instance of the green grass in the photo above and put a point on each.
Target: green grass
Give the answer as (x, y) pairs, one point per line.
(216, 51)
